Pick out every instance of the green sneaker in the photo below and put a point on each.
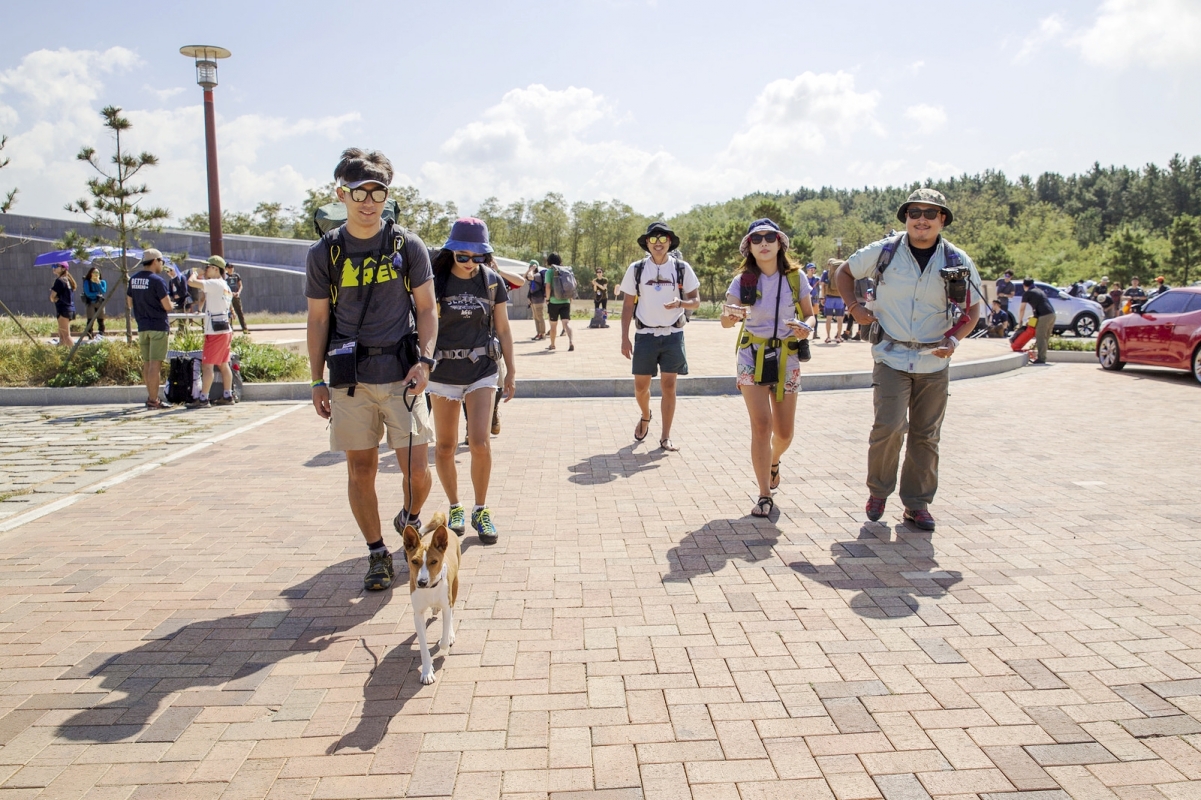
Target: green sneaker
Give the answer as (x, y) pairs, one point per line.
(379, 572)
(458, 519)
(482, 522)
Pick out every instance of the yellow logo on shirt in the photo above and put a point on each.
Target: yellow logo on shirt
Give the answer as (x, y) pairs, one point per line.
(369, 270)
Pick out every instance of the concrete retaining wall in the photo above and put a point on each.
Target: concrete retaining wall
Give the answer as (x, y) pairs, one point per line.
(546, 388)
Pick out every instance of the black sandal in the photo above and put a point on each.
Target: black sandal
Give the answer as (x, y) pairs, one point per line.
(646, 433)
(760, 511)
(668, 445)
(775, 476)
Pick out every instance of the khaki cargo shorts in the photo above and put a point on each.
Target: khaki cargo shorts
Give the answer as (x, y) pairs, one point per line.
(359, 422)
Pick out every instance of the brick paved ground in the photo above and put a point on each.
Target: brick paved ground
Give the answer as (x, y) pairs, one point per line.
(635, 634)
(710, 351)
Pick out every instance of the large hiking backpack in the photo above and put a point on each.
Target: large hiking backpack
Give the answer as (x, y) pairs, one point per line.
(183, 379)
(563, 285)
(332, 215)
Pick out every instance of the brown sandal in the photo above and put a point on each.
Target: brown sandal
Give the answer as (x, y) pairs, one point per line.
(645, 433)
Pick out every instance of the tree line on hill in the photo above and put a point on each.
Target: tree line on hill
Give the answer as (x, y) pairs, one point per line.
(1113, 221)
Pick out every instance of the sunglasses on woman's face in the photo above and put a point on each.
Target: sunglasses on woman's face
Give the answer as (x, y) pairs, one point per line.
(360, 194)
(463, 258)
(918, 213)
(770, 238)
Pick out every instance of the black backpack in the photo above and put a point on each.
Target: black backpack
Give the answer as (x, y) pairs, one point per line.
(183, 379)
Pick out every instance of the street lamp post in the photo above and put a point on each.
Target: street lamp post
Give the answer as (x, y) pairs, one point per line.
(206, 75)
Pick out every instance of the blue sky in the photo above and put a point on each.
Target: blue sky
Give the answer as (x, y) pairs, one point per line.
(662, 104)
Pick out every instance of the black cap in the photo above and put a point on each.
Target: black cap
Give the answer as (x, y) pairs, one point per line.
(656, 228)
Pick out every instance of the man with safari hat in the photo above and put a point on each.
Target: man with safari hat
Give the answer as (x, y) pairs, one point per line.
(656, 291)
(920, 294)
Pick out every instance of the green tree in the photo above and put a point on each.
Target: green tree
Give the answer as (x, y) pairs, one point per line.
(772, 210)
(994, 261)
(1185, 239)
(801, 247)
(10, 199)
(1128, 254)
(717, 256)
(114, 200)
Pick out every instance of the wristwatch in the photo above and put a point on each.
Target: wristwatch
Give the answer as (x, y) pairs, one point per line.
(429, 362)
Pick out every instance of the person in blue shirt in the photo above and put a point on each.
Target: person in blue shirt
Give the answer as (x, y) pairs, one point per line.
(95, 293)
(149, 299)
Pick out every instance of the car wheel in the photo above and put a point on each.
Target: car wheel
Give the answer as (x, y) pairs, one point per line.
(1085, 325)
(1197, 364)
(1109, 355)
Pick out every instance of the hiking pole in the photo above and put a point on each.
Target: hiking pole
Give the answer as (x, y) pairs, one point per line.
(19, 325)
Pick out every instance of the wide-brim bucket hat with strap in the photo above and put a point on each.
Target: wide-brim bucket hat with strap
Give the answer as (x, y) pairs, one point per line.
(764, 225)
(655, 229)
(926, 196)
(469, 234)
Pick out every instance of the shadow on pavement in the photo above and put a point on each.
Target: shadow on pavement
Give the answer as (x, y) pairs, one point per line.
(889, 573)
(232, 653)
(608, 467)
(720, 541)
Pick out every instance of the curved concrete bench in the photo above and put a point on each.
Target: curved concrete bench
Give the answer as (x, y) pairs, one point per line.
(688, 386)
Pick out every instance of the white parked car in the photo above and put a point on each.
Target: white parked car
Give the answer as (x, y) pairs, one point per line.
(1077, 314)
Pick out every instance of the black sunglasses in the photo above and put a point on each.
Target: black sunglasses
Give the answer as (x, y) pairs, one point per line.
(928, 213)
(463, 259)
(756, 238)
(360, 194)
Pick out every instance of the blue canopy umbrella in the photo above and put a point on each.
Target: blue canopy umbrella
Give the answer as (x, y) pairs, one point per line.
(93, 253)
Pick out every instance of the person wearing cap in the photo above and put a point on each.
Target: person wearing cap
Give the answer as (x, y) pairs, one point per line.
(149, 299)
(1044, 315)
(371, 299)
(773, 302)
(234, 281)
(473, 337)
(61, 295)
(1005, 289)
(1160, 287)
(656, 292)
(536, 278)
(218, 332)
(915, 334)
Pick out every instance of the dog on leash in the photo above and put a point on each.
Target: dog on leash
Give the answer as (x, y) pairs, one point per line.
(433, 583)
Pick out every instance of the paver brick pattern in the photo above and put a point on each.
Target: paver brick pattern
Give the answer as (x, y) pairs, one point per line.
(201, 631)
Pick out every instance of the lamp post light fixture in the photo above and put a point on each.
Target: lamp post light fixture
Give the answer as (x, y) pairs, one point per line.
(206, 76)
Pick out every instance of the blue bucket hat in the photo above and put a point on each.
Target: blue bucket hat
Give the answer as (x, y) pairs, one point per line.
(469, 234)
(764, 225)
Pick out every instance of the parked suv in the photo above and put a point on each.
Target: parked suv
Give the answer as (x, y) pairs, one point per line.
(1077, 314)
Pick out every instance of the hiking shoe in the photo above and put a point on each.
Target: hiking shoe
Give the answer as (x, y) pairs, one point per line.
(379, 572)
(922, 519)
(496, 423)
(403, 519)
(199, 403)
(223, 401)
(875, 507)
(482, 522)
(457, 519)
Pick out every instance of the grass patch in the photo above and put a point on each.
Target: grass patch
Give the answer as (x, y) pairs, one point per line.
(266, 363)
(107, 363)
(1077, 345)
(18, 493)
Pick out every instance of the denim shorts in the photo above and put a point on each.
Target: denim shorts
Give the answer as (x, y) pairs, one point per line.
(652, 353)
(452, 391)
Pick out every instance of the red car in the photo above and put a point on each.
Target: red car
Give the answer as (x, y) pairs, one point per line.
(1165, 332)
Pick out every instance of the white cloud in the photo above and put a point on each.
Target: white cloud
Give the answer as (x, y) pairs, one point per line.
(59, 95)
(1158, 33)
(537, 140)
(163, 95)
(1048, 30)
(926, 118)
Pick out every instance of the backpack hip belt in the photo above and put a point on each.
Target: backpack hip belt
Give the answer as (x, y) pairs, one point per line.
(386, 350)
(473, 353)
(892, 341)
(788, 345)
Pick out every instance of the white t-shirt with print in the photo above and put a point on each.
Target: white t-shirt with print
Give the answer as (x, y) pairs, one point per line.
(217, 299)
(658, 287)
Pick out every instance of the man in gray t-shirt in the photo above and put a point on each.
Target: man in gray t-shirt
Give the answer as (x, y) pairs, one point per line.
(365, 259)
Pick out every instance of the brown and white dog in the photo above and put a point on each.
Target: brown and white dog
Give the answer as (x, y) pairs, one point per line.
(433, 583)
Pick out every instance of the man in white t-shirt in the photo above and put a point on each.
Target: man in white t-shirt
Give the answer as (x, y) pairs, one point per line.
(218, 332)
(656, 292)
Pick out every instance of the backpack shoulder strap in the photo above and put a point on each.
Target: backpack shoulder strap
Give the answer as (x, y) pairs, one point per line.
(335, 246)
(638, 279)
(952, 255)
(886, 254)
(794, 283)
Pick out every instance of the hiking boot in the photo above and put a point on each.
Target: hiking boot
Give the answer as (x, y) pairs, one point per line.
(201, 402)
(457, 519)
(379, 572)
(875, 507)
(404, 519)
(223, 401)
(496, 422)
(922, 519)
(482, 522)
